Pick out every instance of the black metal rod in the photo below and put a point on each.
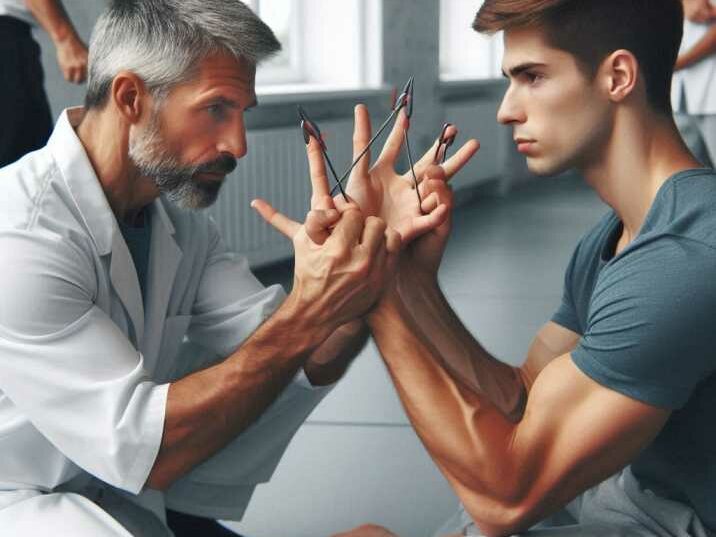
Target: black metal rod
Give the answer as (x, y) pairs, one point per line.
(367, 147)
(335, 175)
(412, 170)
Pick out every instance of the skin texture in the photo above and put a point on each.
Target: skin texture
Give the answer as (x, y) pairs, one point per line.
(71, 51)
(200, 121)
(517, 444)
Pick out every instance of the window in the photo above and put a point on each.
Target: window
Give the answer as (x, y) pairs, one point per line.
(283, 18)
(465, 54)
(326, 44)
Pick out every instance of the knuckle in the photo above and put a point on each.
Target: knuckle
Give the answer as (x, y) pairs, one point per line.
(375, 223)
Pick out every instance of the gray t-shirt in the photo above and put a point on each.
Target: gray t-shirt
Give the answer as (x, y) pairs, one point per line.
(648, 323)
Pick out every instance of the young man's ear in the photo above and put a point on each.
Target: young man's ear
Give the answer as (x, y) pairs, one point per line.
(129, 96)
(620, 72)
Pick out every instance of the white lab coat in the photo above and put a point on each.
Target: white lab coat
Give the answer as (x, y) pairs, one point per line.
(84, 368)
(696, 84)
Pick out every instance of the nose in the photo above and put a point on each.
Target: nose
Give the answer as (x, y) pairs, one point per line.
(510, 111)
(233, 139)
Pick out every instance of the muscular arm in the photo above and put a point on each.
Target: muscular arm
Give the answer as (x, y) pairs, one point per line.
(71, 51)
(208, 409)
(509, 471)
(704, 48)
(467, 360)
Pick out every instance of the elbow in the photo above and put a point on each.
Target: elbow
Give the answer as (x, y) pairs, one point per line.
(506, 511)
(158, 482)
(503, 521)
(161, 477)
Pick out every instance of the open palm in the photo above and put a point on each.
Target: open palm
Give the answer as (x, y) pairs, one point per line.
(381, 191)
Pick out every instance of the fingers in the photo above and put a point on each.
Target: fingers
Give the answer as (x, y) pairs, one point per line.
(393, 242)
(282, 223)
(318, 224)
(349, 228)
(373, 239)
(361, 137)
(429, 157)
(319, 178)
(393, 144)
(425, 223)
(463, 155)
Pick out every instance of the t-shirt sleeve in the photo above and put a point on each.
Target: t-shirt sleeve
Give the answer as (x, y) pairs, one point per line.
(566, 314)
(649, 332)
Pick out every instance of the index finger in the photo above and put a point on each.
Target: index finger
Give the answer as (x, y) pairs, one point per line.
(393, 144)
(317, 171)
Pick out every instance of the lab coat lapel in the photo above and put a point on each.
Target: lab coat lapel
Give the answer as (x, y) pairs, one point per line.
(123, 275)
(90, 199)
(164, 259)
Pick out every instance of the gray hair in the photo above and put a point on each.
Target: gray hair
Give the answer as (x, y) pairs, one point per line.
(162, 41)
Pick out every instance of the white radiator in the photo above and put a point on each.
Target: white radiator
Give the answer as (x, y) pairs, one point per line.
(276, 170)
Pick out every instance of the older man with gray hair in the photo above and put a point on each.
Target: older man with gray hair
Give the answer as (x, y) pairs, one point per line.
(142, 365)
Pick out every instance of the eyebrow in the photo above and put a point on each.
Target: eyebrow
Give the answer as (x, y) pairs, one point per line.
(233, 104)
(521, 68)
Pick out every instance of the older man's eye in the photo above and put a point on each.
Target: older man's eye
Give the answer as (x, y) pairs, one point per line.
(217, 111)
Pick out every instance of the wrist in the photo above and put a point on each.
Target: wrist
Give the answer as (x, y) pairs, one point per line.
(308, 330)
(412, 281)
(63, 35)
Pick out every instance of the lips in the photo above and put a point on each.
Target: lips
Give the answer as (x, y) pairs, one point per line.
(524, 145)
(221, 166)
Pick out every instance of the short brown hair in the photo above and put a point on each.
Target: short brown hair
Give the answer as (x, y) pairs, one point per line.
(593, 29)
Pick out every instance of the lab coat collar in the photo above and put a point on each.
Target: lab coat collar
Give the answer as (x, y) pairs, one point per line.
(84, 186)
(77, 171)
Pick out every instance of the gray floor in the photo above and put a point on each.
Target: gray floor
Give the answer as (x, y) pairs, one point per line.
(357, 459)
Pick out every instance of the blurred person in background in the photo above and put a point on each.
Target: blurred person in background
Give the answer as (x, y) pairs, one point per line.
(27, 122)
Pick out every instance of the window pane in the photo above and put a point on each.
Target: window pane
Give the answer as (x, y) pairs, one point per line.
(278, 14)
(463, 52)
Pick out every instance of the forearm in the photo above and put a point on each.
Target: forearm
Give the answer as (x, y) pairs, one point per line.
(329, 362)
(208, 409)
(466, 435)
(53, 18)
(701, 50)
(462, 354)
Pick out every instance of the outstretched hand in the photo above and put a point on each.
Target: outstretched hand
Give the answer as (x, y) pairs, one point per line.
(343, 259)
(381, 191)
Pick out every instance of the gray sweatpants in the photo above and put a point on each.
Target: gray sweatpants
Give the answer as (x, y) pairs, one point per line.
(618, 507)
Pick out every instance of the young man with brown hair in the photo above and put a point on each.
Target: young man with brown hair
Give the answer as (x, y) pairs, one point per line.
(612, 413)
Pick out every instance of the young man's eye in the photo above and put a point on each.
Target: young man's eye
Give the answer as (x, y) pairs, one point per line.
(532, 77)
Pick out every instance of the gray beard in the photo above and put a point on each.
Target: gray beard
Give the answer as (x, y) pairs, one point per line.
(177, 182)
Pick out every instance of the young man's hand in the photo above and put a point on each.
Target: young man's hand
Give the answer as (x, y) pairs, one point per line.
(381, 191)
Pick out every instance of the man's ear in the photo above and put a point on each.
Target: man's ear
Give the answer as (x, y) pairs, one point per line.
(129, 96)
(620, 73)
